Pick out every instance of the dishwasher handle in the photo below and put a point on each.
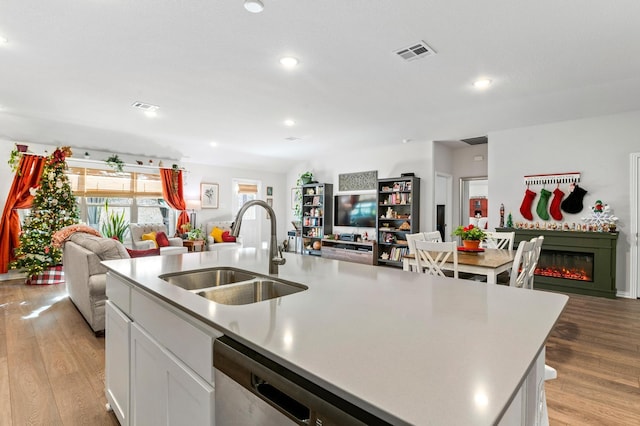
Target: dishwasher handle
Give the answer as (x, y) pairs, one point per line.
(281, 400)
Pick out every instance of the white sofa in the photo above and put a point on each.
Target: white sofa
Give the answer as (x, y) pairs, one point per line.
(138, 229)
(225, 225)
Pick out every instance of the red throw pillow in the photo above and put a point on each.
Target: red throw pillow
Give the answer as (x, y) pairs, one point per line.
(162, 239)
(143, 253)
(227, 238)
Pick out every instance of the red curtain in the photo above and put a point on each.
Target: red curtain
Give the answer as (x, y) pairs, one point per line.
(28, 176)
(173, 194)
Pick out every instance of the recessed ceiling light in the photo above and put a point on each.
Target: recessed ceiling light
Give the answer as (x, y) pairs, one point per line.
(406, 140)
(3, 40)
(149, 110)
(213, 144)
(482, 84)
(289, 123)
(289, 61)
(253, 6)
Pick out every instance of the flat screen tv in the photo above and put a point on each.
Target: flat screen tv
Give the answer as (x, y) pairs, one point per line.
(355, 210)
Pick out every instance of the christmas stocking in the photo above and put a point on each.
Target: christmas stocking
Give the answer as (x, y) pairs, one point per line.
(555, 204)
(525, 207)
(573, 203)
(543, 202)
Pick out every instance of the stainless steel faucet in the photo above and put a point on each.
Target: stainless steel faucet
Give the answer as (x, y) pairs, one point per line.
(274, 260)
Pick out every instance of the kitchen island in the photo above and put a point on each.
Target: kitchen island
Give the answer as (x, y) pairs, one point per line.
(407, 348)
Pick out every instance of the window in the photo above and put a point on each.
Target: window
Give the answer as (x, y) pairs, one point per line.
(137, 194)
(246, 191)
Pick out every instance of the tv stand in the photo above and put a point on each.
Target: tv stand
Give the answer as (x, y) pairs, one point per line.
(365, 252)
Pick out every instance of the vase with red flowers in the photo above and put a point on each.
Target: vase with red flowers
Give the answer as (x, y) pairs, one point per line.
(471, 236)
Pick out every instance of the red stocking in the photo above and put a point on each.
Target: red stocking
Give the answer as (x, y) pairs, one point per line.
(555, 204)
(525, 208)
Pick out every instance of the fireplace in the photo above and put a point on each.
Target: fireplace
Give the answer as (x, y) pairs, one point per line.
(574, 262)
(568, 265)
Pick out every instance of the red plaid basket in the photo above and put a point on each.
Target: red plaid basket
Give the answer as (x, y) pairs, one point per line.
(52, 275)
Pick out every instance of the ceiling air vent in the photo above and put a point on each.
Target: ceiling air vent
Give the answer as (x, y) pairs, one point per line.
(415, 51)
(479, 140)
(145, 107)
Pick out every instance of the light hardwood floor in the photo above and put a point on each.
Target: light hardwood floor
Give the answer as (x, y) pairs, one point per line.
(595, 346)
(52, 366)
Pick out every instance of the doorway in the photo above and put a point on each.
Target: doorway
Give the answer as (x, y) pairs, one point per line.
(443, 202)
(474, 202)
(245, 190)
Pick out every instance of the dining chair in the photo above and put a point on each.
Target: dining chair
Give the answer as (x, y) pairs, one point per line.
(535, 256)
(411, 240)
(433, 236)
(522, 265)
(534, 249)
(499, 240)
(432, 256)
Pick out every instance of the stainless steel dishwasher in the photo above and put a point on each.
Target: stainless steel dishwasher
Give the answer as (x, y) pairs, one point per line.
(253, 390)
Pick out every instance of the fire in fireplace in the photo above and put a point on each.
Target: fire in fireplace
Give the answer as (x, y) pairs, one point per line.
(566, 265)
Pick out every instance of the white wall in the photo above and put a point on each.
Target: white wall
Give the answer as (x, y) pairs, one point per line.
(597, 147)
(422, 158)
(223, 176)
(390, 161)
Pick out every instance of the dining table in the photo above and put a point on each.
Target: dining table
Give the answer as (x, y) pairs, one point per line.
(488, 262)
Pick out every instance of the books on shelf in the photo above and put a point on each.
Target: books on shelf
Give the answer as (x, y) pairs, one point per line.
(402, 186)
(395, 254)
(398, 198)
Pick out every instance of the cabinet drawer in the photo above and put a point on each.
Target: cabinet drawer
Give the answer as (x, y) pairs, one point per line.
(187, 342)
(119, 293)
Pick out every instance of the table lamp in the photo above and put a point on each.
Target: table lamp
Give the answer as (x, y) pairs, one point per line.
(193, 205)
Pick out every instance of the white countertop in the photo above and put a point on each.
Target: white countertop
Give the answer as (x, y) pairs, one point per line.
(406, 347)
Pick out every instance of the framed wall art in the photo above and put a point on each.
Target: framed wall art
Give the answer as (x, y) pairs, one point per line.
(270, 203)
(209, 195)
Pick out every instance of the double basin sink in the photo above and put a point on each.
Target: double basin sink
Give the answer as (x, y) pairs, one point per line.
(231, 286)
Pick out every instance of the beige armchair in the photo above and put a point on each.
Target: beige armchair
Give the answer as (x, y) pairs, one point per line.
(86, 277)
(137, 230)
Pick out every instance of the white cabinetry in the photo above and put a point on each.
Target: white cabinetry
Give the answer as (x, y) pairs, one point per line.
(164, 390)
(117, 333)
(528, 407)
(159, 360)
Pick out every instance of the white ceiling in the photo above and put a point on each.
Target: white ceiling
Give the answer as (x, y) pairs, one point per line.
(72, 69)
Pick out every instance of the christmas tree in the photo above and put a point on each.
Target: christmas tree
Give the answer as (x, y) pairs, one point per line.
(53, 208)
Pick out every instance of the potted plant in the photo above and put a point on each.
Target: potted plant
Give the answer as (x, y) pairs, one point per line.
(471, 236)
(115, 163)
(186, 227)
(305, 178)
(195, 234)
(115, 225)
(14, 159)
